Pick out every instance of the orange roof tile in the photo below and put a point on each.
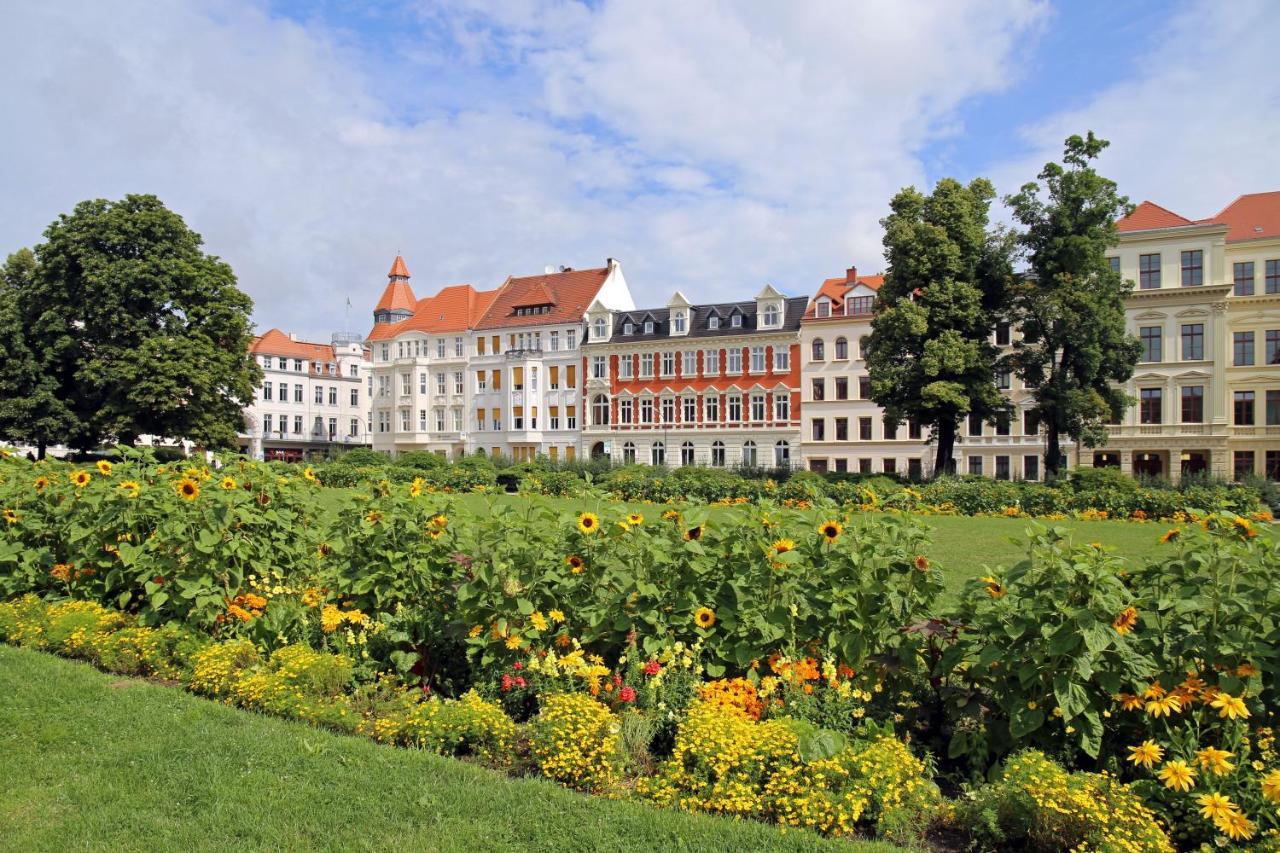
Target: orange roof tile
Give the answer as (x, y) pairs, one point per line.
(836, 289)
(455, 308)
(1253, 216)
(398, 268)
(397, 296)
(1149, 215)
(569, 293)
(276, 342)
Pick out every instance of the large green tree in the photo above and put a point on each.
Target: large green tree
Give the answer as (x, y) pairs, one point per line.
(931, 358)
(1074, 351)
(134, 330)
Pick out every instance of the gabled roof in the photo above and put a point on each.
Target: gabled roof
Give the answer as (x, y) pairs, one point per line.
(698, 326)
(569, 294)
(836, 289)
(1253, 216)
(1149, 215)
(277, 343)
(455, 308)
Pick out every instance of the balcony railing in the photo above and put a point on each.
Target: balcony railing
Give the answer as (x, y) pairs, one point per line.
(525, 352)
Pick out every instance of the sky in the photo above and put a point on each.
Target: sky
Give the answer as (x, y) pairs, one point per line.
(712, 147)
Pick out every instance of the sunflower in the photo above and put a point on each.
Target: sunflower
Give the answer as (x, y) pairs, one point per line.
(227, 484)
(309, 475)
(671, 515)
(1177, 776)
(81, 479)
(1245, 526)
(704, 617)
(635, 519)
(440, 522)
(1235, 826)
(131, 488)
(415, 488)
(41, 482)
(1215, 760)
(693, 534)
(575, 563)
(1146, 754)
(11, 516)
(188, 489)
(373, 516)
(782, 546)
(435, 532)
(588, 522)
(995, 589)
(1215, 806)
(1169, 535)
(104, 467)
(830, 530)
(922, 563)
(1125, 622)
(1230, 707)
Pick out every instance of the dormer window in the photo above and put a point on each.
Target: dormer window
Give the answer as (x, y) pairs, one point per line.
(648, 327)
(736, 321)
(678, 322)
(823, 308)
(858, 305)
(600, 327)
(771, 315)
(713, 322)
(628, 328)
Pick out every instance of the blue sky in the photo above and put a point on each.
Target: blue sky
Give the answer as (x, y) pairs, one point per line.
(712, 147)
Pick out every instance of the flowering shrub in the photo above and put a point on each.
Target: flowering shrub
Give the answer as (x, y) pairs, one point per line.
(574, 740)
(216, 669)
(465, 726)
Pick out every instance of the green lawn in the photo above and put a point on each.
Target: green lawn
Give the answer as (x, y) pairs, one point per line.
(93, 761)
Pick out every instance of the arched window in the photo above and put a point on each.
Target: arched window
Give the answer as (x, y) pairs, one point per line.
(686, 453)
(679, 321)
(600, 410)
(862, 346)
(717, 453)
(629, 453)
(771, 315)
(782, 455)
(819, 350)
(750, 459)
(658, 454)
(842, 348)
(601, 326)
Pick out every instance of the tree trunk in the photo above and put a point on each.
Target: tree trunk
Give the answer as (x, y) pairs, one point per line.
(1052, 451)
(40, 447)
(944, 462)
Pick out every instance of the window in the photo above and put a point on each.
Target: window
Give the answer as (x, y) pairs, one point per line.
(689, 409)
(1002, 426)
(717, 454)
(625, 410)
(735, 321)
(823, 308)
(554, 417)
(1030, 423)
(975, 465)
(457, 347)
(1148, 271)
(495, 379)
(819, 389)
(686, 453)
(1004, 380)
(353, 370)
(864, 430)
(1272, 277)
(711, 362)
(571, 339)
(353, 428)
(668, 364)
(1002, 335)
(749, 457)
(711, 410)
(482, 383)
(266, 390)
(658, 454)
(735, 360)
(600, 326)
(320, 394)
(457, 381)
(439, 347)
(628, 328)
(771, 315)
(404, 422)
(842, 349)
(297, 425)
(819, 350)
(733, 409)
(480, 417)
(757, 359)
(266, 424)
(668, 410)
(1031, 467)
(842, 388)
(858, 305)
(626, 366)
(355, 396)
(781, 359)
(842, 429)
(1273, 408)
(913, 430)
(678, 323)
(1243, 349)
(600, 410)
(1149, 405)
(713, 322)
(629, 453)
(1002, 467)
(1113, 263)
(1242, 464)
(689, 366)
(819, 429)
(517, 417)
(1242, 274)
(864, 387)
(439, 420)
(842, 465)
(1192, 268)
(555, 341)
(598, 367)
(890, 466)
(1150, 337)
(1193, 342)
(1243, 408)
(646, 365)
(782, 407)
(864, 465)
(646, 410)
(1273, 346)
(571, 376)
(297, 393)
(781, 454)
(758, 407)
(648, 327)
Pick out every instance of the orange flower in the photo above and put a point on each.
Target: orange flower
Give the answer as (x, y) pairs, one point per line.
(922, 562)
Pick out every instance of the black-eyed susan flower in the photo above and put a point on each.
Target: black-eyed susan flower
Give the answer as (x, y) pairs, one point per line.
(1177, 776)
(439, 522)
(130, 488)
(704, 617)
(995, 589)
(1236, 826)
(415, 488)
(557, 616)
(1146, 754)
(1271, 786)
(1129, 702)
(1164, 706)
(588, 522)
(1214, 806)
(1230, 707)
(922, 563)
(1125, 620)
(537, 620)
(830, 530)
(1214, 760)
(80, 479)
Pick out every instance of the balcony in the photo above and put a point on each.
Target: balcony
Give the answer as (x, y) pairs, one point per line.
(527, 352)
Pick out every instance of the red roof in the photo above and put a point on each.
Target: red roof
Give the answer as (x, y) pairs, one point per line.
(836, 289)
(276, 342)
(1150, 215)
(454, 309)
(398, 268)
(569, 293)
(398, 295)
(1253, 216)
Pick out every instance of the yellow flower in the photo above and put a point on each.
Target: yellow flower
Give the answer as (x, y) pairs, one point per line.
(1230, 707)
(1146, 754)
(104, 467)
(188, 489)
(830, 530)
(782, 546)
(635, 518)
(1247, 670)
(575, 563)
(1177, 776)
(1271, 786)
(1129, 702)
(588, 522)
(11, 516)
(1125, 622)
(1214, 759)
(513, 643)
(1170, 535)
(704, 617)
(330, 618)
(1235, 826)
(1215, 806)
(1164, 707)
(476, 631)
(995, 589)
(693, 534)
(415, 488)
(557, 616)
(440, 522)
(228, 484)
(81, 479)
(538, 621)
(131, 488)
(309, 475)
(41, 482)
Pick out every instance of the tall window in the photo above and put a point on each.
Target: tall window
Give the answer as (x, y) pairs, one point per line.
(864, 429)
(735, 360)
(1148, 271)
(781, 359)
(717, 453)
(629, 453)
(600, 410)
(266, 424)
(842, 348)
(601, 326)
(842, 388)
(668, 410)
(626, 366)
(570, 338)
(782, 407)
(771, 315)
(864, 387)
(1149, 405)
(1193, 404)
(757, 359)
(355, 396)
(646, 365)
(713, 322)
(757, 407)
(648, 327)
(646, 410)
(781, 454)
(711, 409)
(1113, 263)
(1273, 408)
(686, 453)
(439, 347)
(555, 342)
(819, 350)
(658, 454)
(711, 362)
(689, 409)
(1273, 346)
(1150, 337)
(819, 389)
(749, 457)
(842, 429)
(1272, 278)
(1192, 268)
(1242, 273)
(689, 363)
(1002, 335)
(625, 410)
(1193, 342)
(599, 369)
(818, 427)
(679, 321)
(1243, 408)
(1243, 349)
(733, 409)
(457, 381)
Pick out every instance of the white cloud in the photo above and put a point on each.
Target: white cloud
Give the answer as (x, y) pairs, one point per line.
(710, 147)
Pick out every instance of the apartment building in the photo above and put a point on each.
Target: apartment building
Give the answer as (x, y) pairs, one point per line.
(495, 371)
(313, 397)
(420, 352)
(714, 385)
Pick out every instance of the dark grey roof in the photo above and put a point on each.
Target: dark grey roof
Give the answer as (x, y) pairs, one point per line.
(793, 306)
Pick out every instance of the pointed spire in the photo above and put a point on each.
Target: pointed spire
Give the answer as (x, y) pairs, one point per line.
(398, 269)
(397, 302)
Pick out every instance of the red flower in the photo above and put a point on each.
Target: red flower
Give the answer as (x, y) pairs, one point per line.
(652, 667)
(627, 694)
(617, 680)
(506, 682)
(520, 681)
(517, 665)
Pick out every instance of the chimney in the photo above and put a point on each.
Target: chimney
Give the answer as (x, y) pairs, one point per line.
(851, 274)
(293, 336)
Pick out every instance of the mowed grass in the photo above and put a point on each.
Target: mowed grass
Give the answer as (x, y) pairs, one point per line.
(94, 761)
